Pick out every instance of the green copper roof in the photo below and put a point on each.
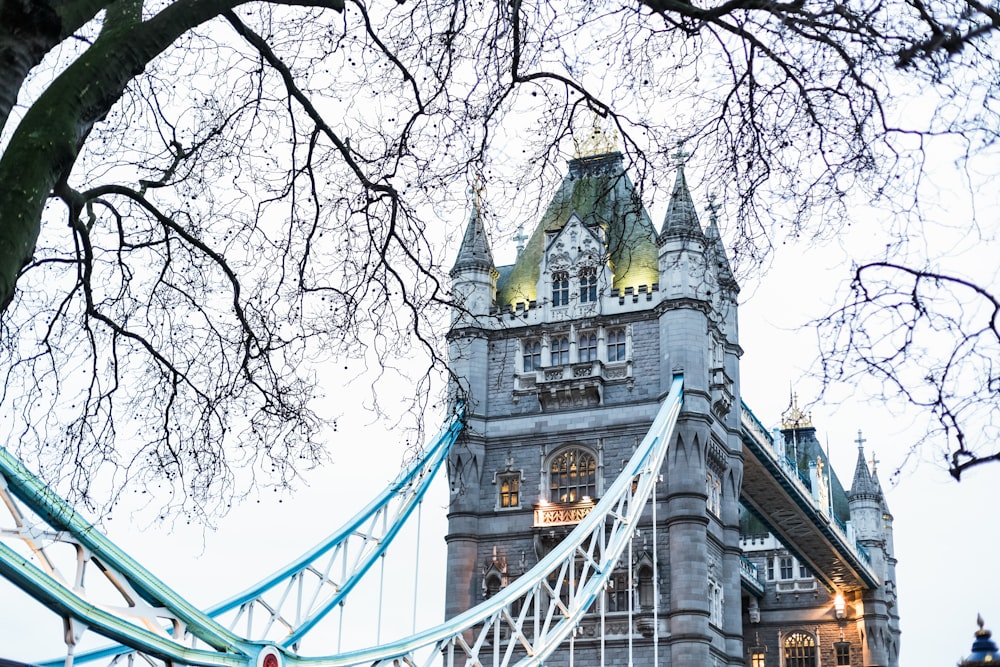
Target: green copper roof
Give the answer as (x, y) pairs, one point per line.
(599, 191)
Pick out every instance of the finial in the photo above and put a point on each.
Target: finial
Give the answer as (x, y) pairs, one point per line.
(476, 191)
(596, 141)
(861, 441)
(520, 238)
(712, 208)
(680, 156)
(795, 418)
(984, 649)
(873, 463)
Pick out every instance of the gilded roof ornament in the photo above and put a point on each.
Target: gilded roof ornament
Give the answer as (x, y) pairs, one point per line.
(795, 418)
(596, 141)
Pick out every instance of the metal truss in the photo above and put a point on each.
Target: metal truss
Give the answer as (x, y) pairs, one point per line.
(57, 557)
(525, 622)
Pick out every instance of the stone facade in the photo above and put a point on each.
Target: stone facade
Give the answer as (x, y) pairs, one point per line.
(562, 359)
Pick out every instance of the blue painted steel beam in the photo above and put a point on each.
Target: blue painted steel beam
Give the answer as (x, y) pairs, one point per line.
(236, 650)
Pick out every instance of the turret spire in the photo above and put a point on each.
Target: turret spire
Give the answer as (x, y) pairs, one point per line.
(716, 247)
(474, 253)
(863, 484)
(682, 217)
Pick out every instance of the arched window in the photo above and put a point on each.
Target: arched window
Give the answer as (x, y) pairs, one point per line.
(800, 650)
(572, 475)
(588, 284)
(645, 575)
(560, 351)
(560, 288)
(492, 585)
(588, 347)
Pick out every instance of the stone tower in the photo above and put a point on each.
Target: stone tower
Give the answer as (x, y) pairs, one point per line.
(877, 614)
(563, 358)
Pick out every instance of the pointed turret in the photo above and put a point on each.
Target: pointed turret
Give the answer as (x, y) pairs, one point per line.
(682, 217)
(473, 276)
(718, 250)
(474, 253)
(863, 485)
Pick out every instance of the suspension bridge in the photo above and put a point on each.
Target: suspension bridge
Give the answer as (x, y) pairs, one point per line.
(52, 553)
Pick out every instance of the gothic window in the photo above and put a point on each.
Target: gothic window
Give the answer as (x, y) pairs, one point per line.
(713, 489)
(588, 347)
(770, 568)
(618, 592)
(509, 488)
(560, 351)
(645, 576)
(491, 587)
(803, 571)
(786, 567)
(572, 475)
(531, 356)
(560, 288)
(757, 657)
(616, 345)
(800, 650)
(588, 284)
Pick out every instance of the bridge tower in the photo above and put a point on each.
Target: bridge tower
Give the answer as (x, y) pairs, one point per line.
(877, 613)
(563, 358)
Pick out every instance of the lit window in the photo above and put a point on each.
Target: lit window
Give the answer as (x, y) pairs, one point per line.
(800, 650)
(616, 345)
(588, 285)
(510, 489)
(560, 288)
(572, 475)
(560, 351)
(532, 356)
(757, 657)
(588, 347)
(786, 567)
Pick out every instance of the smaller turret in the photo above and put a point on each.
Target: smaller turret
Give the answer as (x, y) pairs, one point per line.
(717, 250)
(474, 273)
(681, 220)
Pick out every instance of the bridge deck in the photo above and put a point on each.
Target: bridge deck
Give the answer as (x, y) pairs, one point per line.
(783, 502)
